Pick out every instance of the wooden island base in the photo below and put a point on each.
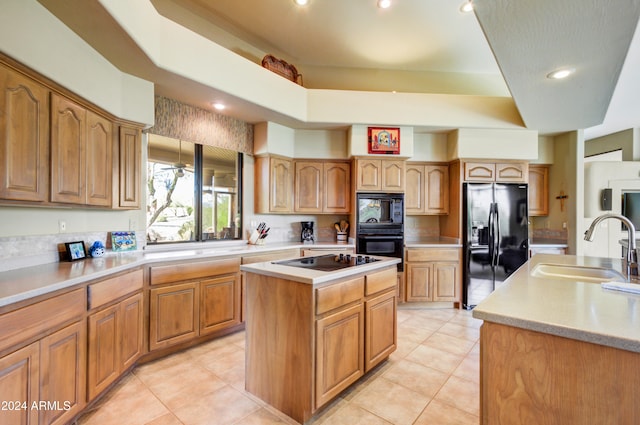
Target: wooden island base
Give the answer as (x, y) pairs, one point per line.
(305, 343)
(530, 377)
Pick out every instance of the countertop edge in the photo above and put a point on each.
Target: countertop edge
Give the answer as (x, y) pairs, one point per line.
(133, 259)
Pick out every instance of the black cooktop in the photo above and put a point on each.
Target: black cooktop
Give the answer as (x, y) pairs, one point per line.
(327, 263)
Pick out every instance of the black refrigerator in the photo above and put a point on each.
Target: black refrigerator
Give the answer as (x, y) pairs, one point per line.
(495, 236)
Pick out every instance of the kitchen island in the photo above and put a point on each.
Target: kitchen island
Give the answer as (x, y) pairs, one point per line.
(557, 348)
(310, 334)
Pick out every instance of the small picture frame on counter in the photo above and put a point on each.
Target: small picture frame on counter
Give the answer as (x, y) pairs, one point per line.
(123, 241)
(75, 250)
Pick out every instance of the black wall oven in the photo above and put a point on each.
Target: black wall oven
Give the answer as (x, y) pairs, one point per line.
(380, 225)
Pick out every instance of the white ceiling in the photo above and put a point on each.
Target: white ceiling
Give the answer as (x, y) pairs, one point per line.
(417, 46)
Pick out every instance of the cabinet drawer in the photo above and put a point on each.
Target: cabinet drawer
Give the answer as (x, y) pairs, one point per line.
(381, 280)
(339, 294)
(109, 290)
(27, 322)
(188, 271)
(447, 254)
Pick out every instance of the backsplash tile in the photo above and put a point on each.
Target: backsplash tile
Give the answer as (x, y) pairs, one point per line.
(26, 251)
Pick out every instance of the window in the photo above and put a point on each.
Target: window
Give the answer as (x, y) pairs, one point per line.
(193, 192)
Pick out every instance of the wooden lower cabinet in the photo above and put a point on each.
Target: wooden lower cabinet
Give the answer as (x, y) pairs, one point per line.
(339, 352)
(219, 303)
(19, 385)
(115, 342)
(63, 357)
(301, 357)
(195, 299)
(433, 275)
(173, 314)
(381, 333)
(529, 377)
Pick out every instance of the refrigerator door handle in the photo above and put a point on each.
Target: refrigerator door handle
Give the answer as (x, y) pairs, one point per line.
(491, 238)
(496, 243)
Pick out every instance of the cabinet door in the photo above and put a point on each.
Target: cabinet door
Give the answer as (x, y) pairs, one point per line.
(437, 189)
(380, 329)
(131, 331)
(479, 171)
(419, 282)
(538, 190)
(19, 376)
(129, 163)
(63, 373)
(392, 175)
(173, 315)
(68, 157)
(24, 138)
(445, 286)
(515, 172)
(368, 173)
(414, 202)
(281, 180)
(339, 352)
(219, 303)
(103, 365)
(337, 187)
(309, 186)
(99, 163)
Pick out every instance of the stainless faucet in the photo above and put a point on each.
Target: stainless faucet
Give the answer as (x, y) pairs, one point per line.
(632, 254)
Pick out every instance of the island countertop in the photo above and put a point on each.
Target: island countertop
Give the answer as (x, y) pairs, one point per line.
(304, 275)
(573, 309)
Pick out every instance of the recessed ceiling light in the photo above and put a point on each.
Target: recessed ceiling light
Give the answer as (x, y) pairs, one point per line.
(559, 74)
(301, 2)
(466, 7)
(219, 106)
(384, 4)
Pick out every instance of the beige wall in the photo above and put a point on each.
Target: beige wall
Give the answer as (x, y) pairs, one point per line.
(627, 140)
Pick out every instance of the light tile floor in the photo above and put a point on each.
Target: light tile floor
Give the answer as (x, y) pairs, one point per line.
(431, 379)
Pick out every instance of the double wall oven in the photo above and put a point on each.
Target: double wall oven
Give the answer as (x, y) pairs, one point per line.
(380, 225)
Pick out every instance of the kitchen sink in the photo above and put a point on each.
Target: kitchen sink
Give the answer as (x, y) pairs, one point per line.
(578, 273)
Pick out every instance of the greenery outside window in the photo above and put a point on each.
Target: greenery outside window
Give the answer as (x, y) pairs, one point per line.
(193, 192)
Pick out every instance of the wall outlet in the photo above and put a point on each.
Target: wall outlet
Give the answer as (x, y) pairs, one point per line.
(132, 224)
(564, 224)
(62, 226)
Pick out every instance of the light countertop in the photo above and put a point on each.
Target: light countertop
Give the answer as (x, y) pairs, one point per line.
(434, 242)
(562, 307)
(25, 283)
(303, 275)
(548, 243)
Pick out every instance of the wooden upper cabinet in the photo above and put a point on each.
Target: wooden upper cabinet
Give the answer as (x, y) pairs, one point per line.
(538, 190)
(337, 187)
(24, 138)
(99, 150)
(380, 175)
(322, 187)
(392, 175)
(128, 167)
(68, 144)
(427, 189)
(437, 189)
(414, 193)
(479, 171)
(516, 172)
(309, 184)
(273, 185)
(502, 172)
(368, 174)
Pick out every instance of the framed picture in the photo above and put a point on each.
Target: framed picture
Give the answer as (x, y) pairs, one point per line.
(123, 241)
(75, 250)
(384, 140)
